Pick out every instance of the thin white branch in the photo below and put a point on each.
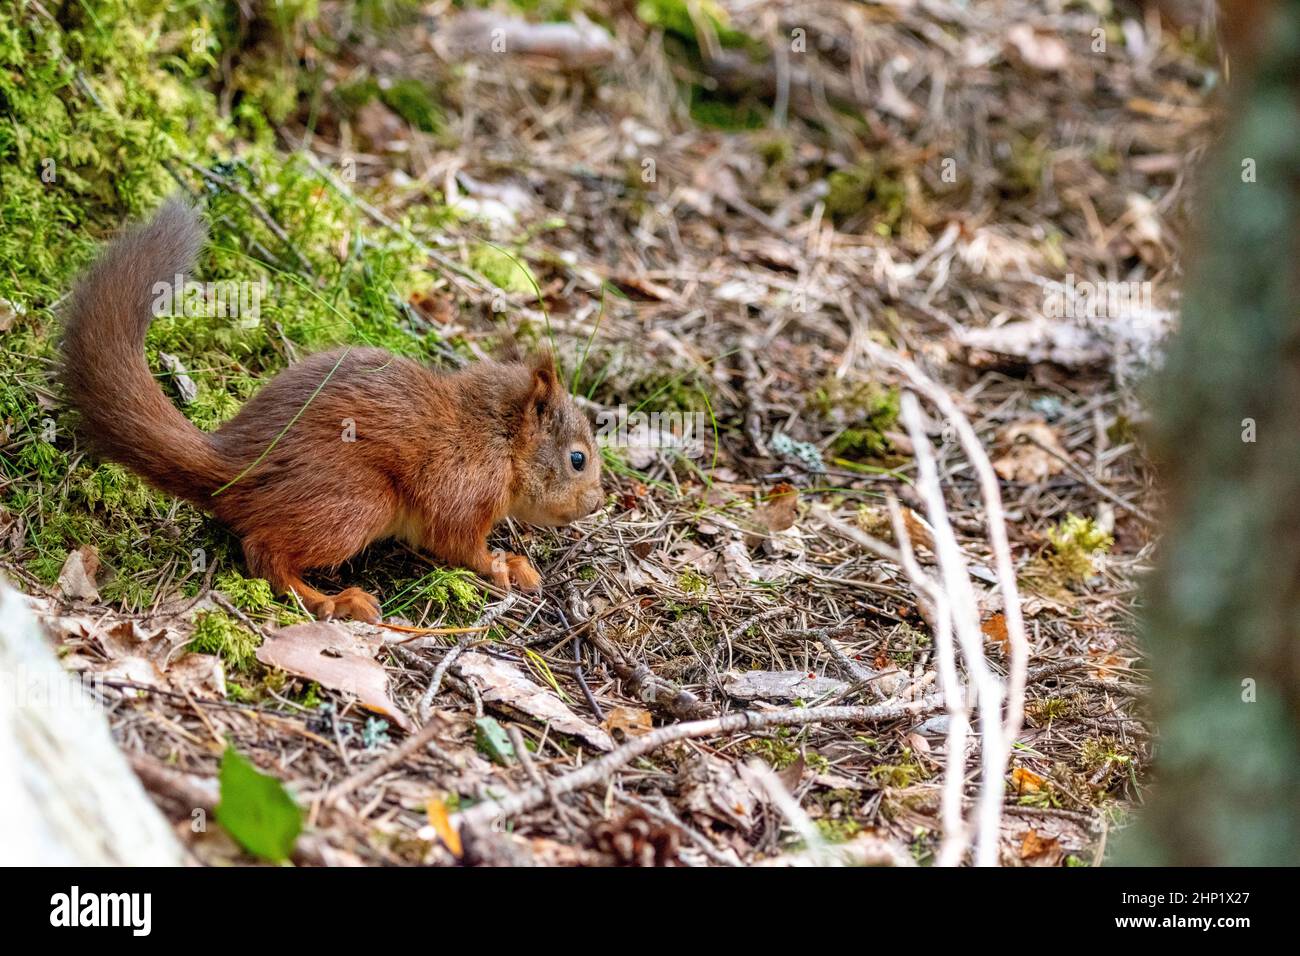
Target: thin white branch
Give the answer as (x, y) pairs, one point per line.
(991, 494)
(956, 835)
(965, 619)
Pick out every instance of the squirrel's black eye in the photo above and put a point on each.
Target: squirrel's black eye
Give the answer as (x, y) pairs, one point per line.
(578, 460)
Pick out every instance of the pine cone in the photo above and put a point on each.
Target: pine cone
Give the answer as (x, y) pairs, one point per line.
(637, 840)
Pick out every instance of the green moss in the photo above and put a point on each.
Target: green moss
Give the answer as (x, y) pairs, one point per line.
(452, 587)
(247, 594)
(674, 17)
(446, 589)
(502, 269)
(379, 15)
(880, 193)
(1022, 165)
(848, 191)
(725, 112)
(1076, 542)
(268, 73)
(775, 147)
(898, 775)
(216, 632)
(93, 110)
(1106, 160)
(414, 102)
(110, 486)
(863, 410)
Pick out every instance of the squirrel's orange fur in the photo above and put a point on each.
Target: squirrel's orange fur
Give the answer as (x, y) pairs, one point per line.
(438, 459)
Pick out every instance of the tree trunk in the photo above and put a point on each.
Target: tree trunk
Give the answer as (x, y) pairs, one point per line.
(1224, 606)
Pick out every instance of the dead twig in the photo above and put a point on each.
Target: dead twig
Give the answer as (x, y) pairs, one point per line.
(603, 768)
(639, 681)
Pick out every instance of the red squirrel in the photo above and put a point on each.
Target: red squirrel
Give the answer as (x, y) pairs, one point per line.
(438, 458)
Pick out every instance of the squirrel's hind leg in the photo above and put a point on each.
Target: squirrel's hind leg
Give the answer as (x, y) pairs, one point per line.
(351, 603)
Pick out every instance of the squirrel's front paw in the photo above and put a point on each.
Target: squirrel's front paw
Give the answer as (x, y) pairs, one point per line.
(523, 574)
(513, 569)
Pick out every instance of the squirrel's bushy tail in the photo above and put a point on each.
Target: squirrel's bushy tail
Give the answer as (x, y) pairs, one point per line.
(125, 415)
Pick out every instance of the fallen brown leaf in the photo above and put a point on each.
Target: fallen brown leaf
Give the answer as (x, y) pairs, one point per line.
(1038, 850)
(1026, 781)
(709, 788)
(337, 658)
(625, 722)
(1106, 665)
(503, 683)
(1029, 456)
(779, 510)
(77, 579)
(918, 529)
(440, 824)
(995, 629)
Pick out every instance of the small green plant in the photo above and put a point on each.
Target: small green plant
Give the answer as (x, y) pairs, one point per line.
(899, 775)
(1076, 543)
(838, 829)
(782, 750)
(455, 587)
(1103, 753)
(692, 582)
(904, 643)
(1047, 709)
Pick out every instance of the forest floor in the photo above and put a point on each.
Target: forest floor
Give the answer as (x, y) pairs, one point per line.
(716, 215)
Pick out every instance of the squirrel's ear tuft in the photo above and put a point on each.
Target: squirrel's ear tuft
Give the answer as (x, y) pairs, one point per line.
(545, 389)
